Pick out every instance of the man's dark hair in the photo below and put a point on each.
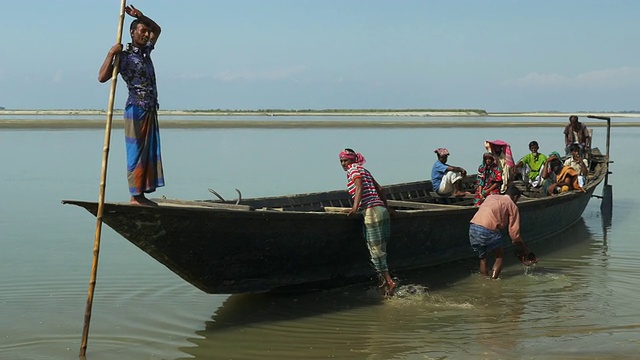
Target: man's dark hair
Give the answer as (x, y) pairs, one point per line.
(533, 143)
(574, 147)
(134, 24)
(513, 191)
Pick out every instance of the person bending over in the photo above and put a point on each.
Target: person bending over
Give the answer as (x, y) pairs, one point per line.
(369, 199)
(496, 213)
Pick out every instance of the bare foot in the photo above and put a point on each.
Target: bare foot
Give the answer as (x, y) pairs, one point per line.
(390, 288)
(529, 259)
(141, 201)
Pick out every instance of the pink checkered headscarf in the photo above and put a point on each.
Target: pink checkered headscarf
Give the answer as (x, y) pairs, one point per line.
(441, 151)
(506, 150)
(352, 155)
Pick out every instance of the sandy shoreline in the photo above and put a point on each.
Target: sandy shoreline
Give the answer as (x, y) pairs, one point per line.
(178, 119)
(246, 113)
(274, 124)
(391, 113)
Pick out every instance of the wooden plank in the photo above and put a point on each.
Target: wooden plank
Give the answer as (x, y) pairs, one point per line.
(203, 204)
(424, 206)
(336, 209)
(435, 195)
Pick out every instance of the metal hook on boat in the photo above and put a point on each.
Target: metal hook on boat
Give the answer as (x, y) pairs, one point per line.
(223, 200)
(216, 194)
(239, 197)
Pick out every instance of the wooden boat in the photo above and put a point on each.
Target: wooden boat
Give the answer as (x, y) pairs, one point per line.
(300, 241)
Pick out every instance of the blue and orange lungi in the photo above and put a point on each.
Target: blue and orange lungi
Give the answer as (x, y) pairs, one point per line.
(142, 138)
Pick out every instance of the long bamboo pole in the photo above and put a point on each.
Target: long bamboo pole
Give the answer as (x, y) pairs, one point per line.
(103, 181)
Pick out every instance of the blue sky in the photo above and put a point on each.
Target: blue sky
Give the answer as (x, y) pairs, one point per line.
(498, 55)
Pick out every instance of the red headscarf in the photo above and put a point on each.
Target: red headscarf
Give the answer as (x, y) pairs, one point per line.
(352, 155)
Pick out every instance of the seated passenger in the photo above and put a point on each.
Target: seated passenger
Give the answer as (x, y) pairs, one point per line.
(445, 178)
(567, 180)
(549, 174)
(489, 179)
(504, 159)
(580, 165)
(531, 164)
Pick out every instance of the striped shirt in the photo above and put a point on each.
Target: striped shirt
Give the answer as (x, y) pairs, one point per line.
(370, 197)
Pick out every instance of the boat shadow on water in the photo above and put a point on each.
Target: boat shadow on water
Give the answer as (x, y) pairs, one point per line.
(260, 320)
(242, 310)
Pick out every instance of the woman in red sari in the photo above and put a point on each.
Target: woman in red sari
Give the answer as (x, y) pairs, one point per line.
(489, 179)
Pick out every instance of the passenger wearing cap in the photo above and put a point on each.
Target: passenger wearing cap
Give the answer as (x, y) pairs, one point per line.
(489, 179)
(370, 200)
(531, 165)
(445, 178)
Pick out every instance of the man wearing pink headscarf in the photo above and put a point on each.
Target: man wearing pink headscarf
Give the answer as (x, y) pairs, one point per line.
(369, 199)
(445, 178)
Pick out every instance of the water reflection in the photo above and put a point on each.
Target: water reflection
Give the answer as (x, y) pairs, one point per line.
(606, 212)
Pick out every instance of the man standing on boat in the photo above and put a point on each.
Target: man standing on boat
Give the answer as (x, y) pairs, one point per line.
(370, 200)
(142, 134)
(576, 133)
(496, 213)
(446, 178)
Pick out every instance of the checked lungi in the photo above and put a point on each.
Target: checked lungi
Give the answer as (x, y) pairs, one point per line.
(483, 240)
(377, 230)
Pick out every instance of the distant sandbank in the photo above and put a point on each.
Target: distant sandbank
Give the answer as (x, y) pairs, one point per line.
(338, 112)
(257, 112)
(182, 119)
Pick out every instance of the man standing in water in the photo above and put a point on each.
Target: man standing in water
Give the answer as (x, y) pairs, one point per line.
(142, 134)
(370, 200)
(496, 213)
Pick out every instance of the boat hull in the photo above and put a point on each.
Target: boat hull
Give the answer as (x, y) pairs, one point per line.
(223, 251)
(296, 242)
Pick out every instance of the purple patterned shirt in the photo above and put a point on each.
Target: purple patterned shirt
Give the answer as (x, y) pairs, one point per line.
(136, 69)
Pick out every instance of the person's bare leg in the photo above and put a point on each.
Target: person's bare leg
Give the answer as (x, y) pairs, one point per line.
(497, 265)
(483, 266)
(390, 286)
(457, 191)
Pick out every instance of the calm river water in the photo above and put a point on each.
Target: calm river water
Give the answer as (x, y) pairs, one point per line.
(579, 303)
